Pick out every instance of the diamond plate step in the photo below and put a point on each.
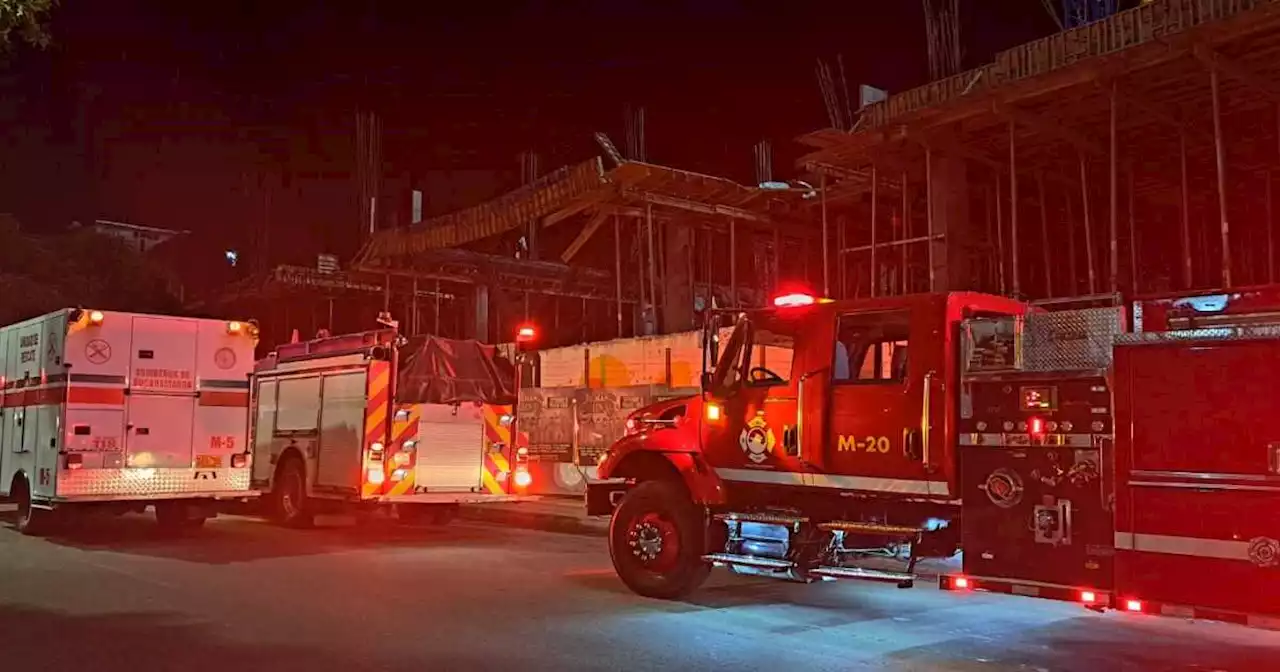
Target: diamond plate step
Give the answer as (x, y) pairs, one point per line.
(749, 561)
(902, 579)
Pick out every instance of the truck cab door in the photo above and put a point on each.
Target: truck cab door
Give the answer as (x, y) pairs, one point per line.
(754, 438)
(885, 403)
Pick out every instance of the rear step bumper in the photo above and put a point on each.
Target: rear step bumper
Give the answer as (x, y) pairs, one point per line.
(901, 579)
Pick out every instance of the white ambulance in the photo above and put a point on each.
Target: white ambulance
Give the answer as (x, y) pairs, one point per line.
(116, 411)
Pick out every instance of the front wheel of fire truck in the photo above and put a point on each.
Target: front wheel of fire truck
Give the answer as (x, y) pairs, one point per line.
(289, 495)
(656, 539)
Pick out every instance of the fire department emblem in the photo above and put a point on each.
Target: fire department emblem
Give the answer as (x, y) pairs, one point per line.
(1264, 551)
(757, 440)
(1004, 488)
(224, 358)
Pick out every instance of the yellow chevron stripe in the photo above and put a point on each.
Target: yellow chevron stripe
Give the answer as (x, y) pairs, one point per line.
(403, 487)
(500, 461)
(491, 484)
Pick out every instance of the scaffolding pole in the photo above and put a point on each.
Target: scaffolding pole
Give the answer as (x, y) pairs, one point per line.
(653, 264)
(617, 268)
(1271, 232)
(1044, 235)
(928, 210)
(874, 197)
(906, 231)
(1188, 277)
(1133, 238)
(1000, 234)
(826, 271)
(1072, 258)
(1114, 168)
(1220, 152)
(1013, 210)
(733, 262)
(1088, 227)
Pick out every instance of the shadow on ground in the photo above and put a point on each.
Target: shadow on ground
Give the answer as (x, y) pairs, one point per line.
(228, 540)
(38, 639)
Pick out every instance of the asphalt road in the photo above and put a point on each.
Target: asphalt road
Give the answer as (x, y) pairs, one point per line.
(245, 596)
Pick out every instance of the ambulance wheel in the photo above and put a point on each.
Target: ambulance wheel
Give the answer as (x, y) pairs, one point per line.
(31, 520)
(656, 540)
(289, 495)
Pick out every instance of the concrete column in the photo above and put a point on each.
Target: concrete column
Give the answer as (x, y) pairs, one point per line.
(955, 240)
(481, 327)
(677, 282)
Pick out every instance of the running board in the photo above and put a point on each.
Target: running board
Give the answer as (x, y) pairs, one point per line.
(871, 528)
(770, 518)
(749, 561)
(903, 580)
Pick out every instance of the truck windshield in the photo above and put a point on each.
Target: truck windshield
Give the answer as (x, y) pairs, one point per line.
(758, 352)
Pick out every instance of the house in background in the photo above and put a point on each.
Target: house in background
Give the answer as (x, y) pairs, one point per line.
(141, 238)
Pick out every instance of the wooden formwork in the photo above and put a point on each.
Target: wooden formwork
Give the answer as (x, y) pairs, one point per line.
(1138, 153)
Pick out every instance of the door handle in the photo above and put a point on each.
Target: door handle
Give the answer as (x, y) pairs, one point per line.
(1273, 453)
(926, 419)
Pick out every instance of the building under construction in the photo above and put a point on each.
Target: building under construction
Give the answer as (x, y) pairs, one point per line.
(1132, 154)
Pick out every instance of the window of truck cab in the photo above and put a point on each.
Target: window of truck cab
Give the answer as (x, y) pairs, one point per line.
(769, 349)
(871, 348)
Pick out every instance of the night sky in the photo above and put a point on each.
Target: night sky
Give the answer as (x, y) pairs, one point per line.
(170, 114)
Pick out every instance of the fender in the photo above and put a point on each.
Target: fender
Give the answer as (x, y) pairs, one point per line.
(656, 455)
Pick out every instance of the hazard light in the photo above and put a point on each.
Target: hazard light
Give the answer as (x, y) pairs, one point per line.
(526, 334)
(713, 412)
(1035, 426)
(1133, 605)
(793, 300)
(1088, 596)
(234, 328)
(376, 476)
(960, 583)
(96, 317)
(523, 479)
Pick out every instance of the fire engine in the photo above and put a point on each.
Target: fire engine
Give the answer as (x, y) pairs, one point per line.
(118, 411)
(915, 426)
(1126, 461)
(374, 419)
(822, 445)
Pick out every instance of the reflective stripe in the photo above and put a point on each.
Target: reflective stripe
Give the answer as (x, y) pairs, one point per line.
(1222, 549)
(897, 485)
(224, 384)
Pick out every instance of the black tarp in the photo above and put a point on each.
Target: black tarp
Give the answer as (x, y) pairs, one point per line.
(437, 370)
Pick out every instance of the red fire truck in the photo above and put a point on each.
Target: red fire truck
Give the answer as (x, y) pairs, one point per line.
(1130, 466)
(839, 450)
(909, 427)
(419, 425)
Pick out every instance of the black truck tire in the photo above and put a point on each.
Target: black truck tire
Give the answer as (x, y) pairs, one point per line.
(289, 505)
(657, 538)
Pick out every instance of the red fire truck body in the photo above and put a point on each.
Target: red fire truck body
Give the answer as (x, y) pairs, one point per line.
(1179, 514)
(1069, 456)
(817, 441)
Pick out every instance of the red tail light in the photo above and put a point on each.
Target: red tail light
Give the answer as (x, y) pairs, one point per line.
(1035, 425)
(75, 461)
(239, 461)
(1133, 605)
(1088, 596)
(960, 583)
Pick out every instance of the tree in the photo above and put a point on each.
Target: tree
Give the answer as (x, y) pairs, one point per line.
(39, 274)
(24, 21)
